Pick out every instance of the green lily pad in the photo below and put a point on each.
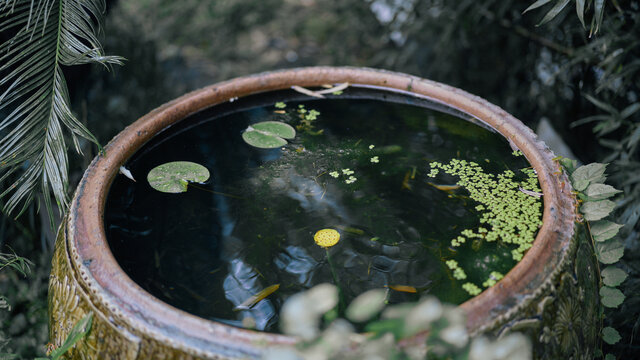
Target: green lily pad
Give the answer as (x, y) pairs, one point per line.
(174, 177)
(268, 134)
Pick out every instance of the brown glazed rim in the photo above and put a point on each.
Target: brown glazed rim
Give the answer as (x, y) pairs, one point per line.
(110, 288)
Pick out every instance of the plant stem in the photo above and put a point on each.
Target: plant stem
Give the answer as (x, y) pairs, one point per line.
(341, 302)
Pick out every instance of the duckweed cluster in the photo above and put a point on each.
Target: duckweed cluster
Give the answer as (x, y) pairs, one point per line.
(307, 118)
(508, 212)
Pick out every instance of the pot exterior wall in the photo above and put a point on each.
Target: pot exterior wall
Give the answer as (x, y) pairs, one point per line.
(562, 319)
(110, 338)
(555, 301)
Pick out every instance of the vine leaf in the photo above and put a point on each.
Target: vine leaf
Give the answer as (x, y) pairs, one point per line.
(613, 276)
(600, 191)
(596, 210)
(611, 297)
(46, 35)
(604, 230)
(588, 174)
(609, 251)
(610, 335)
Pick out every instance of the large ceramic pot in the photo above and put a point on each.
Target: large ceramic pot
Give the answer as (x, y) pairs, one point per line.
(550, 295)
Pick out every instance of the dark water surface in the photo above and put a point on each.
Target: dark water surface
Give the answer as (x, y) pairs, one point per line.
(252, 224)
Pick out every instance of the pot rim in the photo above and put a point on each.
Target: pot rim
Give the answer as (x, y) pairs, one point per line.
(110, 288)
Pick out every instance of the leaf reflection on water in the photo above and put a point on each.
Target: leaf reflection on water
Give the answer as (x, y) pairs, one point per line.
(239, 285)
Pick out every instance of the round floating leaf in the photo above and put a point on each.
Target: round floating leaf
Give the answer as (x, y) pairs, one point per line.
(610, 357)
(611, 297)
(596, 210)
(366, 305)
(610, 335)
(604, 230)
(268, 134)
(275, 128)
(174, 177)
(609, 251)
(612, 276)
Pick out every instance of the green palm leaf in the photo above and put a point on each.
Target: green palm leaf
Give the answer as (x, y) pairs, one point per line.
(46, 35)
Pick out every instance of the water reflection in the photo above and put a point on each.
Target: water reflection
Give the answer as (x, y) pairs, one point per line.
(240, 284)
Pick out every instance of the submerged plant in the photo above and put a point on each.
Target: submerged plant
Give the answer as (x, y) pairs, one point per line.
(510, 211)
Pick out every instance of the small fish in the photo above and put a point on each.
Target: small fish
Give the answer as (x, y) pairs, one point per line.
(124, 171)
(403, 288)
(306, 91)
(254, 299)
(405, 181)
(279, 111)
(444, 187)
(530, 193)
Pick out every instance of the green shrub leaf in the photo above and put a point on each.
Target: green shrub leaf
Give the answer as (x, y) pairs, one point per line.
(597, 16)
(613, 276)
(610, 357)
(174, 177)
(536, 5)
(600, 191)
(596, 210)
(580, 11)
(555, 10)
(588, 174)
(268, 134)
(611, 297)
(610, 335)
(609, 251)
(394, 326)
(366, 305)
(604, 230)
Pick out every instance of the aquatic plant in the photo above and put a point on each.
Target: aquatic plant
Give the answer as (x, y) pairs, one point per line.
(510, 210)
(326, 238)
(174, 177)
(307, 118)
(268, 134)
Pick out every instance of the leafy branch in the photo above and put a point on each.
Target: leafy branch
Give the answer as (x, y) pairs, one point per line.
(594, 196)
(45, 35)
(582, 7)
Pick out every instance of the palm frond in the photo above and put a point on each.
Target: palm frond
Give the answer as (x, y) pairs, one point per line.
(46, 35)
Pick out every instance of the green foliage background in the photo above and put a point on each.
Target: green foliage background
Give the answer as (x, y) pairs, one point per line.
(585, 83)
